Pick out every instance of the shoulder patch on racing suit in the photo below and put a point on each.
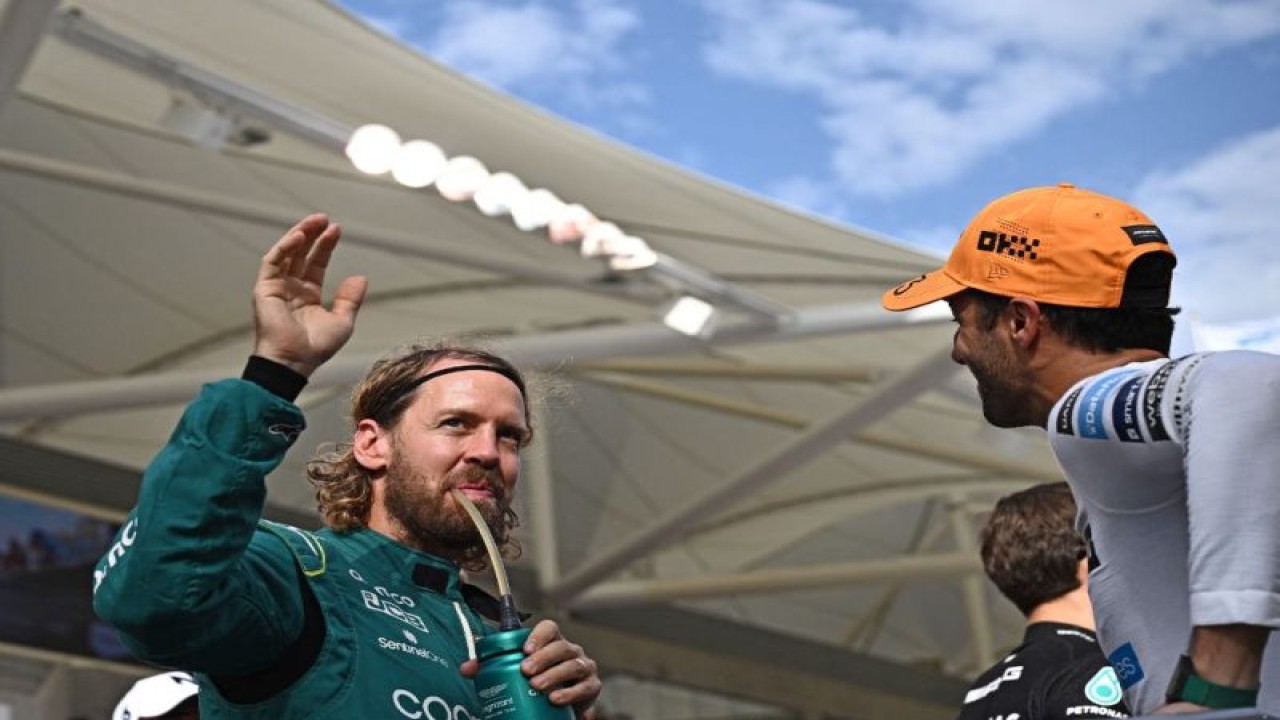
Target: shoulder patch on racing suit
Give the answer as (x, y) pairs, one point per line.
(305, 546)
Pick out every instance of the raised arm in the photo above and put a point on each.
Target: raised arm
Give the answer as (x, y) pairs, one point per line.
(291, 324)
(189, 582)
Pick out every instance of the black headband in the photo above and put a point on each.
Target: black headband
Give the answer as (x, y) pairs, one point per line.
(395, 396)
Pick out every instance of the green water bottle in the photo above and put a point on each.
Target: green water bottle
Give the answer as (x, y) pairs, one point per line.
(505, 693)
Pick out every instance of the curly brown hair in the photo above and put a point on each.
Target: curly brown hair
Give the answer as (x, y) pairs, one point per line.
(1030, 547)
(344, 488)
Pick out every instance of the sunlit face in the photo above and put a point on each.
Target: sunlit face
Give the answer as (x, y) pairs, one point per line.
(990, 357)
(463, 430)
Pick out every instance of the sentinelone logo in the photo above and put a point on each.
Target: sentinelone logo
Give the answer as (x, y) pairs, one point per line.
(411, 649)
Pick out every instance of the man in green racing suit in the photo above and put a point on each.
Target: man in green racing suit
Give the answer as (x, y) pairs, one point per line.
(367, 618)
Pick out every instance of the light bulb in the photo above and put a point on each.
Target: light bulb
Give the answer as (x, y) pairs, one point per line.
(372, 148)
(418, 163)
(534, 209)
(569, 223)
(596, 242)
(499, 193)
(461, 178)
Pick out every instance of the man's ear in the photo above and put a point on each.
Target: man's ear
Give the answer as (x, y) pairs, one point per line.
(1024, 318)
(371, 445)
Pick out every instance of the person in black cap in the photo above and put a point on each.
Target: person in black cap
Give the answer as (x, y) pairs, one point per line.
(1033, 555)
(368, 617)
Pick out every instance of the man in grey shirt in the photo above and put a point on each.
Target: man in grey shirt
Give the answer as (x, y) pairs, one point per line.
(1060, 296)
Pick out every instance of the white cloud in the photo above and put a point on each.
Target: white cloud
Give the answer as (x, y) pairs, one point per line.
(574, 51)
(1221, 214)
(917, 103)
(932, 239)
(1261, 335)
(808, 195)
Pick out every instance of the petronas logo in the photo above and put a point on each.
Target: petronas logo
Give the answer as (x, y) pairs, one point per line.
(1104, 688)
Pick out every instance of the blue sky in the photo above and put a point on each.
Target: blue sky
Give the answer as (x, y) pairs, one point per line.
(906, 116)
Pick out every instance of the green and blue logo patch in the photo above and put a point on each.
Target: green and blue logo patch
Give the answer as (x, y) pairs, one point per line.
(1104, 688)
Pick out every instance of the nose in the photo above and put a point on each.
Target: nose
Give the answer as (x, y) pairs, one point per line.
(482, 447)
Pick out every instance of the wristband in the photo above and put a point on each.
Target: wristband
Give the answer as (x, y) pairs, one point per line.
(273, 377)
(1187, 686)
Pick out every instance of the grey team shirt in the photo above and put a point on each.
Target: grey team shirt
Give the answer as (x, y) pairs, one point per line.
(1175, 465)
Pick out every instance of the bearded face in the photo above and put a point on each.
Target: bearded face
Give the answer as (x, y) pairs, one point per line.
(462, 431)
(1004, 398)
(431, 518)
(1003, 384)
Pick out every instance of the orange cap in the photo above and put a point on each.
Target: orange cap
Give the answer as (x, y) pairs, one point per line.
(1056, 245)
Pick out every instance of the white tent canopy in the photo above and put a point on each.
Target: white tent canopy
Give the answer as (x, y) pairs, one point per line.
(816, 474)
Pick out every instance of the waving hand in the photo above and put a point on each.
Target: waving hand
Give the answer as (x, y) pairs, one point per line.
(292, 325)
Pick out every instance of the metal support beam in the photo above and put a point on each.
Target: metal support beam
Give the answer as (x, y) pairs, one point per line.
(996, 474)
(976, 460)
(641, 592)
(870, 497)
(801, 449)
(866, 630)
(530, 351)
(22, 28)
(76, 29)
(713, 289)
(541, 500)
(54, 696)
(731, 371)
(975, 598)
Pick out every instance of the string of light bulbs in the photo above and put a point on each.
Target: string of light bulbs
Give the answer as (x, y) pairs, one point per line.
(377, 149)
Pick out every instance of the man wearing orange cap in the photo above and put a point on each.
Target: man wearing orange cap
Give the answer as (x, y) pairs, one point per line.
(1061, 300)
